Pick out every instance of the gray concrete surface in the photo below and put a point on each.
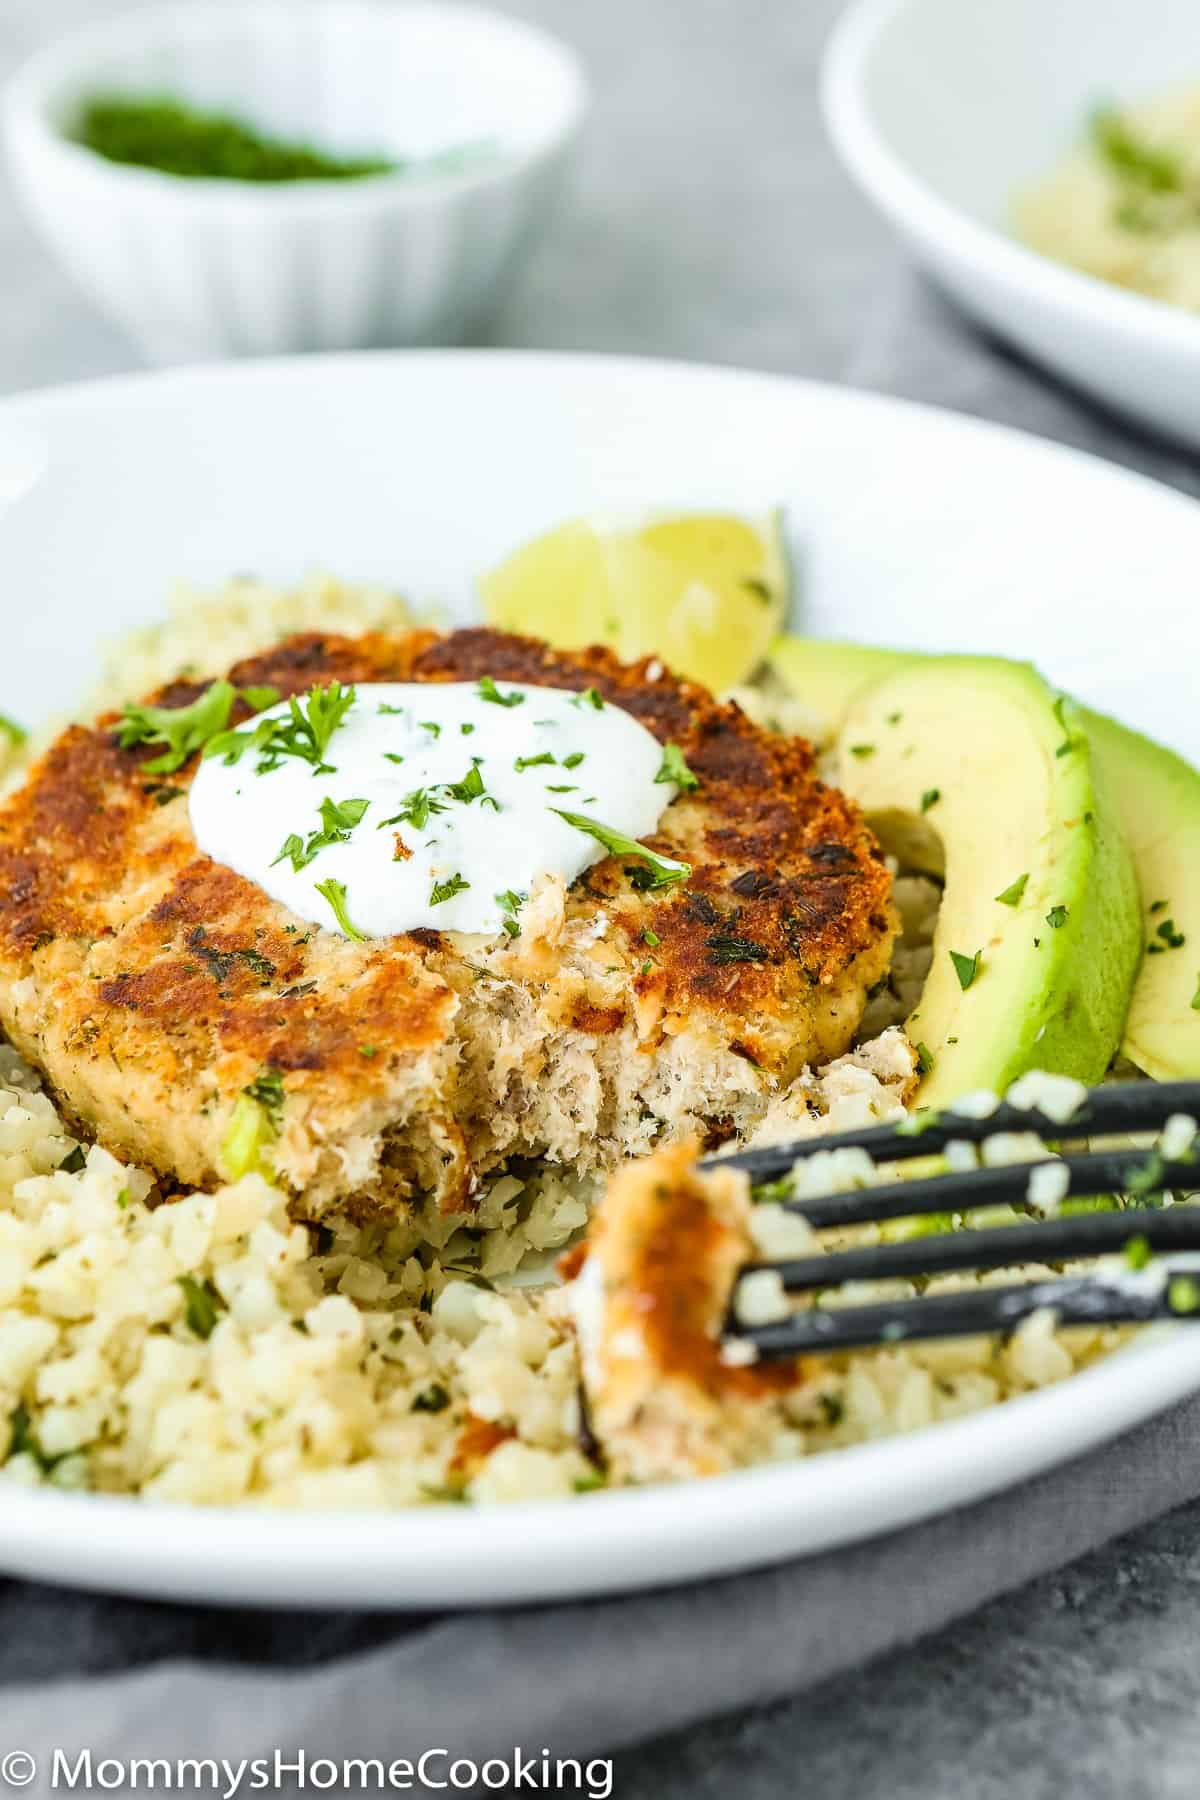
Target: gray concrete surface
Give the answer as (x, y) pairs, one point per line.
(709, 221)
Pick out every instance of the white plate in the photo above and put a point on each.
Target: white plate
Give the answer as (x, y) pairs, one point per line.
(943, 109)
(911, 526)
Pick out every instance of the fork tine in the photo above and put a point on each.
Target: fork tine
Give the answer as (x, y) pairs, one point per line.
(1093, 1172)
(1074, 1299)
(1118, 1107)
(993, 1247)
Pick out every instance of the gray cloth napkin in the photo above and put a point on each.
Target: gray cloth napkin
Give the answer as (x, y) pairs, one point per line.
(578, 1679)
(127, 1679)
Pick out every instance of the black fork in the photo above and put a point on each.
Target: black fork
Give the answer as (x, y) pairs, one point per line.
(1138, 1289)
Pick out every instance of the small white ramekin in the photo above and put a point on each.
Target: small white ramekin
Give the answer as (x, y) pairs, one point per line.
(198, 269)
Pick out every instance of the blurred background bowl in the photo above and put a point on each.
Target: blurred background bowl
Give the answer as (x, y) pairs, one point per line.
(942, 110)
(196, 269)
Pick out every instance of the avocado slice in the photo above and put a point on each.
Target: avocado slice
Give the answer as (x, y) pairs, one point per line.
(1157, 795)
(956, 762)
(1157, 798)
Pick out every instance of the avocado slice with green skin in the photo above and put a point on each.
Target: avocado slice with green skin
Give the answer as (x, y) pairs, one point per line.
(955, 761)
(1157, 798)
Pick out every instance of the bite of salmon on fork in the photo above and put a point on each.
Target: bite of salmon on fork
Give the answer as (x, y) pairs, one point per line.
(712, 1294)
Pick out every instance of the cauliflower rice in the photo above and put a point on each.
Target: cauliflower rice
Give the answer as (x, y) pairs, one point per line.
(1123, 205)
(212, 1350)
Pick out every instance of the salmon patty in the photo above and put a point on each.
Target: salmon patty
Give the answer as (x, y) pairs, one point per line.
(161, 993)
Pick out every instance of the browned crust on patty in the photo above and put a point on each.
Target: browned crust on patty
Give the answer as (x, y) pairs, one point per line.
(164, 982)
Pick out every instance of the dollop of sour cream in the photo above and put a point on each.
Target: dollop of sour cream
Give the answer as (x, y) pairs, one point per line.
(433, 804)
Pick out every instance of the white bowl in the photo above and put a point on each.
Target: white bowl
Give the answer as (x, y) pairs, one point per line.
(417, 471)
(196, 269)
(943, 109)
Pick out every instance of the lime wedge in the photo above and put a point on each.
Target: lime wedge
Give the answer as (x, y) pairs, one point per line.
(706, 592)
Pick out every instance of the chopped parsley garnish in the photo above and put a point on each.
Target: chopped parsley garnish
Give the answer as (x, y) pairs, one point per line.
(415, 809)
(924, 1058)
(74, 1160)
(651, 937)
(304, 732)
(446, 890)
(1183, 1294)
(162, 793)
(833, 1407)
(24, 1440)
(338, 819)
(392, 756)
(469, 788)
(466, 728)
(966, 967)
(1147, 1179)
(368, 1050)
(259, 698)
(1056, 918)
(204, 1304)
(561, 787)
(16, 734)
(533, 762)
(184, 729)
(675, 769)
(510, 903)
(431, 726)
(929, 798)
(1172, 938)
(573, 761)
(188, 140)
(590, 697)
(433, 1399)
(723, 948)
(647, 966)
(861, 750)
(489, 691)
(220, 963)
(1139, 163)
(1159, 906)
(661, 870)
(1012, 894)
(1138, 1252)
(267, 1089)
(394, 712)
(335, 893)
